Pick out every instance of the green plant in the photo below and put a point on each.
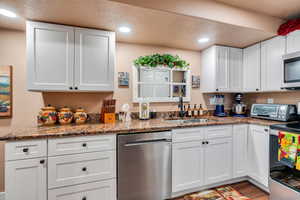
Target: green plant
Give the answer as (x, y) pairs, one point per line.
(158, 59)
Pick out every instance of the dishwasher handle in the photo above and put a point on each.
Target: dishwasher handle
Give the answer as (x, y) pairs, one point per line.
(142, 142)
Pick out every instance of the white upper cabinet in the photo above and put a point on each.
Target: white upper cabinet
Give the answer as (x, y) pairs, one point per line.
(221, 69)
(50, 56)
(251, 69)
(65, 58)
(235, 69)
(293, 41)
(94, 59)
(271, 63)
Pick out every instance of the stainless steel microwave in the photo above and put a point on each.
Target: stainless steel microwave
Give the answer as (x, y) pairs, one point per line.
(291, 71)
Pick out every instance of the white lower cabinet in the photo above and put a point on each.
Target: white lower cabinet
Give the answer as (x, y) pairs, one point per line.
(81, 168)
(187, 165)
(239, 146)
(104, 190)
(26, 179)
(217, 160)
(201, 161)
(258, 154)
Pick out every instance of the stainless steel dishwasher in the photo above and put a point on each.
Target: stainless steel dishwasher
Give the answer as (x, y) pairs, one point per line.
(144, 166)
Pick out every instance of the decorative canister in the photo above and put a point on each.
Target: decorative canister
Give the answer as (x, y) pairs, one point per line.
(80, 116)
(47, 116)
(65, 116)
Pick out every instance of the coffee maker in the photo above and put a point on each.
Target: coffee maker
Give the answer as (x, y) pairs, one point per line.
(239, 109)
(220, 111)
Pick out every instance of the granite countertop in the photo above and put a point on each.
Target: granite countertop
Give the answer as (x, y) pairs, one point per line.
(135, 126)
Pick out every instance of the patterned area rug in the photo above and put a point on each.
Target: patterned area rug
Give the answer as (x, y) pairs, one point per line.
(220, 193)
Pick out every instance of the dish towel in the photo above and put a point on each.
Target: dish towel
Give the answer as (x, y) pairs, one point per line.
(289, 148)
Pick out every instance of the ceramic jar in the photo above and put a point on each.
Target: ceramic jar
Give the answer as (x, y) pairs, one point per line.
(47, 116)
(65, 116)
(80, 116)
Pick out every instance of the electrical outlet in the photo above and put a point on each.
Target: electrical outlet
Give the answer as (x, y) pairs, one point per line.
(212, 100)
(270, 100)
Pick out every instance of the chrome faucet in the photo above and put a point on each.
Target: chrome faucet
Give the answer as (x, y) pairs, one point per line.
(180, 106)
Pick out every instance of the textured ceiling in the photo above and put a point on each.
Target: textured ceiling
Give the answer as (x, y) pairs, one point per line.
(149, 26)
(279, 8)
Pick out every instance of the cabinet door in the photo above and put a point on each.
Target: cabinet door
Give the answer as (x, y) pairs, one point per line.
(240, 141)
(293, 41)
(251, 68)
(235, 69)
(222, 70)
(94, 60)
(258, 154)
(187, 165)
(25, 179)
(218, 160)
(271, 63)
(208, 70)
(50, 56)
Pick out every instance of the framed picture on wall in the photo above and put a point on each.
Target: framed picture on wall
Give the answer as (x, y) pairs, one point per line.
(5, 91)
(123, 79)
(195, 81)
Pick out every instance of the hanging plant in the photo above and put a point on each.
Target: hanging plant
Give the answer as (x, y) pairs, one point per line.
(155, 60)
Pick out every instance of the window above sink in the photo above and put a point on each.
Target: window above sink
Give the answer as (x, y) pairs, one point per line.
(160, 84)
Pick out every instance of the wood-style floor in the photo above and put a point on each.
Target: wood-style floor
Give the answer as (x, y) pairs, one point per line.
(247, 189)
(251, 191)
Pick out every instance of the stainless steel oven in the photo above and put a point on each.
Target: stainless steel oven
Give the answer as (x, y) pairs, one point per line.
(284, 181)
(291, 71)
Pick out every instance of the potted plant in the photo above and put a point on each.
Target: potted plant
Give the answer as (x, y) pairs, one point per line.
(166, 60)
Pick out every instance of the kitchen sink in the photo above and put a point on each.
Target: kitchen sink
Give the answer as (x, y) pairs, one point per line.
(188, 120)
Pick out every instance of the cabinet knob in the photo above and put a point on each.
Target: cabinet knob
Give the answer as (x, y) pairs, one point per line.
(206, 142)
(257, 89)
(71, 88)
(84, 144)
(217, 89)
(76, 88)
(84, 169)
(203, 142)
(84, 198)
(25, 150)
(266, 130)
(42, 161)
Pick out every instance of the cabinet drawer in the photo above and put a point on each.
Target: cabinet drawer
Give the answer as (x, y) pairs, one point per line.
(218, 132)
(187, 134)
(104, 190)
(81, 168)
(85, 144)
(25, 149)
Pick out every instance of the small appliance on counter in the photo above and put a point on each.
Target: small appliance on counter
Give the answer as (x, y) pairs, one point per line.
(239, 108)
(144, 110)
(277, 112)
(220, 110)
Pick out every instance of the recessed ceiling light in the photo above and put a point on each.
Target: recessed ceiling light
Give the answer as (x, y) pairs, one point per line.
(203, 40)
(125, 29)
(7, 13)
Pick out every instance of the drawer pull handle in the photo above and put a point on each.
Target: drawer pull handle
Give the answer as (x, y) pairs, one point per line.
(266, 130)
(84, 169)
(42, 161)
(84, 144)
(25, 150)
(83, 198)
